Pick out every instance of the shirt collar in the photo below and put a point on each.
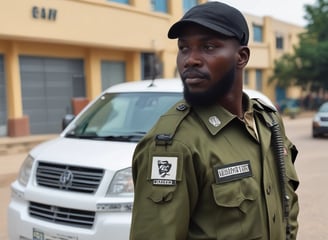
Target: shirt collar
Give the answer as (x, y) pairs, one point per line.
(215, 117)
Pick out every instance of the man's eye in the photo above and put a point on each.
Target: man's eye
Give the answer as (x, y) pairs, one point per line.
(183, 48)
(209, 47)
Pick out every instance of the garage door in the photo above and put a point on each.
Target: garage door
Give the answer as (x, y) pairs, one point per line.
(3, 105)
(48, 86)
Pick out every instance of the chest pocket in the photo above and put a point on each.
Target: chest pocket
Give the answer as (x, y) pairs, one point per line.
(237, 201)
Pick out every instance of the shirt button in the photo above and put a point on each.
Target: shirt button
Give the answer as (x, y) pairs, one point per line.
(268, 190)
(182, 107)
(274, 218)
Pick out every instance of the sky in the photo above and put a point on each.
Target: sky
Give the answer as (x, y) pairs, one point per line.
(291, 11)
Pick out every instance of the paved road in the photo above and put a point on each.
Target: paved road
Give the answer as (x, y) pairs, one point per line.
(312, 165)
(8, 172)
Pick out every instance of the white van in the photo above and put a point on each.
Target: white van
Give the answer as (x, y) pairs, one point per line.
(79, 186)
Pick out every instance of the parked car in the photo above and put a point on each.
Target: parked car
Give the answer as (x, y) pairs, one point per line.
(79, 186)
(320, 121)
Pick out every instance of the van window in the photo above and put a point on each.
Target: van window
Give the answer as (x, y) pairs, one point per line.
(123, 114)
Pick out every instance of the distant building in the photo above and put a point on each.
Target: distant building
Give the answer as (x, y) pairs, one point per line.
(55, 56)
(269, 40)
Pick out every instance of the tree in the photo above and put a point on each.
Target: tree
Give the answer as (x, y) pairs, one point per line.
(284, 68)
(307, 66)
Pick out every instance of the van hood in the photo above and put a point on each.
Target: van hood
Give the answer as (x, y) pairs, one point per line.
(83, 152)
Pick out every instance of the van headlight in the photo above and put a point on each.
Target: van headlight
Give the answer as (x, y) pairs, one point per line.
(121, 184)
(25, 170)
(120, 193)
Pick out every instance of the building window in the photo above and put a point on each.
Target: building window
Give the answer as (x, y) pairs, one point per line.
(258, 79)
(246, 78)
(187, 4)
(279, 42)
(257, 33)
(112, 72)
(151, 67)
(120, 1)
(159, 5)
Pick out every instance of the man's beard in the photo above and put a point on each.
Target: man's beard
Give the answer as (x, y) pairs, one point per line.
(212, 95)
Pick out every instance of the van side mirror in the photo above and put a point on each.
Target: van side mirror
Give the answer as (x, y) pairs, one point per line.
(67, 119)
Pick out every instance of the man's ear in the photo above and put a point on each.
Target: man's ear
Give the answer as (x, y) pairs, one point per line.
(243, 57)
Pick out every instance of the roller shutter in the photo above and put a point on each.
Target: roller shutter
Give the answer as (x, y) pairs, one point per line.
(48, 86)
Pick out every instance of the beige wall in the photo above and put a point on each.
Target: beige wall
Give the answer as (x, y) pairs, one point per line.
(100, 24)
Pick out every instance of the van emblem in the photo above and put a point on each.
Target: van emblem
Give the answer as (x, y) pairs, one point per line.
(66, 177)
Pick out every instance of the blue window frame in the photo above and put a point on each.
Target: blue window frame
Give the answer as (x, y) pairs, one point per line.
(159, 5)
(120, 1)
(187, 4)
(257, 33)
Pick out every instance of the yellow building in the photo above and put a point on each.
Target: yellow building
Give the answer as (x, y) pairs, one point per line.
(56, 55)
(269, 40)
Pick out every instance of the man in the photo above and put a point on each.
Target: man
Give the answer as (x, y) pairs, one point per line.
(217, 165)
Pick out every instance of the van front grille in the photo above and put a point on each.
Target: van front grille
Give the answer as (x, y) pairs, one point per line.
(60, 215)
(69, 178)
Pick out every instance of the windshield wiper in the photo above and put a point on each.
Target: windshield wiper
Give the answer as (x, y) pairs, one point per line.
(72, 134)
(134, 137)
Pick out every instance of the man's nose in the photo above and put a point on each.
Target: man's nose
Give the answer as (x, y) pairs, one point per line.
(193, 59)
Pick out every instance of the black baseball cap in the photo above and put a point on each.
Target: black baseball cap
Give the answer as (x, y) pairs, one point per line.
(216, 16)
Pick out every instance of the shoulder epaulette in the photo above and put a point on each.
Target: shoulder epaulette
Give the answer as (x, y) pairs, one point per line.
(268, 111)
(262, 105)
(169, 123)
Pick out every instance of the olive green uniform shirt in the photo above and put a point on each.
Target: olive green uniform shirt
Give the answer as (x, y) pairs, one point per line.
(202, 173)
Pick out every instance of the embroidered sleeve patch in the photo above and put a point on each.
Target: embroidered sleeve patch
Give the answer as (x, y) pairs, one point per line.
(232, 172)
(164, 170)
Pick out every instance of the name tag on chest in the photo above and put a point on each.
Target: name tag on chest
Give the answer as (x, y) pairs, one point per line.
(232, 172)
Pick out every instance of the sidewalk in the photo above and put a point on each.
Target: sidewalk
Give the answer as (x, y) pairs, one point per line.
(14, 145)
(10, 166)
(13, 151)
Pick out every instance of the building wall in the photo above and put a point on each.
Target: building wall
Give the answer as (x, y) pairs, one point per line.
(96, 23)
(100, 30)
(263, 54)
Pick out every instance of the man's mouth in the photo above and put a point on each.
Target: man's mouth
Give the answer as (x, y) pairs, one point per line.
(194, 80)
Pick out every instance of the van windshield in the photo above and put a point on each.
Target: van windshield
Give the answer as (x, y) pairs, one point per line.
(122, 116)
